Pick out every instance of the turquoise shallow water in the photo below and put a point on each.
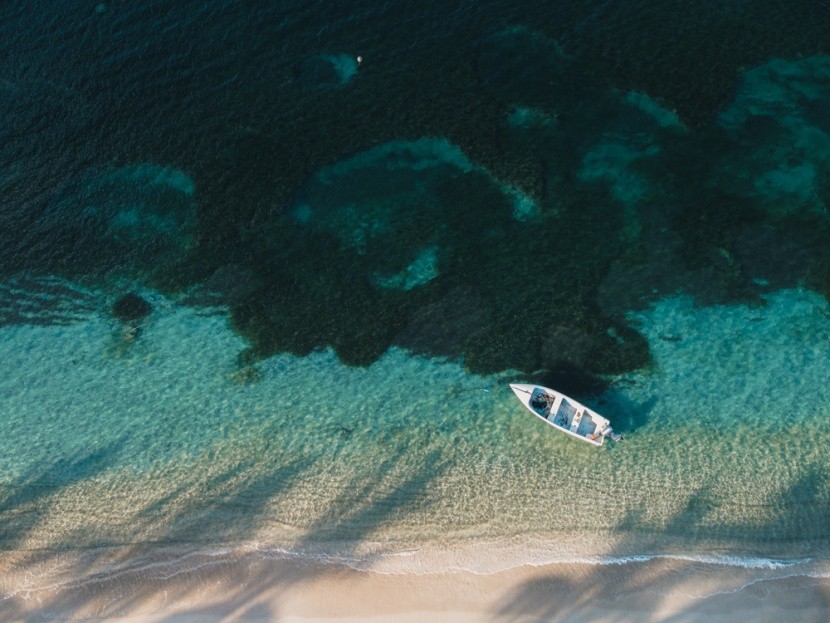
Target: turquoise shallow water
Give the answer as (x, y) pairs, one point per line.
(165, 440)
(347, 263)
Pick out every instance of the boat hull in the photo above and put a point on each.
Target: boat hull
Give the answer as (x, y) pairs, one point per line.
(563, 413)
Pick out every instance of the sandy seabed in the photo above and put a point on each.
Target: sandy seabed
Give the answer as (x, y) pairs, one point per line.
(247, 586)
(91, 458)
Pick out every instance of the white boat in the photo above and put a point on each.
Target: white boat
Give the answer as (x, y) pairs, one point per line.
(565, 414)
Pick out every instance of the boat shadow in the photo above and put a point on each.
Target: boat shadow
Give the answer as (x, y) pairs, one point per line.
(598, 393)
(627, 416)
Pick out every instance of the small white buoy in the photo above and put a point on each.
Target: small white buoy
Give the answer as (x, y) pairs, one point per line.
(359, 60)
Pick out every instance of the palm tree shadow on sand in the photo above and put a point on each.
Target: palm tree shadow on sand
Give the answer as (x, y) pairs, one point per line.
(181, 564)
(22, 506)
(188, 550)
(680, 588)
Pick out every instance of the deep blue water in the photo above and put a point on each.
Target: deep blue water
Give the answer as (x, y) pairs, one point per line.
(582, 193)
(244, 100)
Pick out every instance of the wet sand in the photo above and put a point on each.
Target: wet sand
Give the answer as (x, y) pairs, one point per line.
(250, 587)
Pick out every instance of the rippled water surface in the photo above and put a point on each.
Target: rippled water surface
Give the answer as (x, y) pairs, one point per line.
(347, 261)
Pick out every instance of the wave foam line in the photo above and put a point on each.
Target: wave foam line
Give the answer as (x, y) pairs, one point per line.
(163, 564)
(373, 563)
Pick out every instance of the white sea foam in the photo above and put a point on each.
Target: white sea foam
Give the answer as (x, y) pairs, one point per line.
(379, 468)
(162, 564)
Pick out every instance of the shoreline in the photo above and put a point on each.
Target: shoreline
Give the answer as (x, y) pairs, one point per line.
(236, 585)
(137, 492)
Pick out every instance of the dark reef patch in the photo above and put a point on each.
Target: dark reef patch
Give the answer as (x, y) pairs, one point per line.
(313, 295)
(518, 64)
(501, 284)
(131, 308)
(137, 219)
(561, 203)
(709, 221)
(445, 325)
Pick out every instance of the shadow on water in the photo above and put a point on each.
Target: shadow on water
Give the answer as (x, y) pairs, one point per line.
(23, 505)
(627, 415)
(401, 492)
(174, 554)
(175, 561)
(647, 590)
(231, 507)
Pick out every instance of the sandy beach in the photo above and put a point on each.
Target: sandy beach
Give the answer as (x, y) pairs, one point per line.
(249, 587)
(442, 519)
(268, 271)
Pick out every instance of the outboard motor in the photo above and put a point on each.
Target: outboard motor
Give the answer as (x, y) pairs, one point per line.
(608, 432)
